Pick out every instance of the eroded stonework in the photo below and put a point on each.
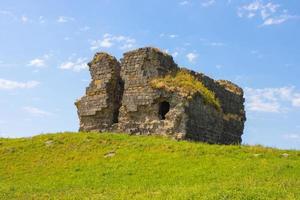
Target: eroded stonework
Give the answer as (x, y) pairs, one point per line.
(120, 98)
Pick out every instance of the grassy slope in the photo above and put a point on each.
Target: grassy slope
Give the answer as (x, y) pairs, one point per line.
(74, 166)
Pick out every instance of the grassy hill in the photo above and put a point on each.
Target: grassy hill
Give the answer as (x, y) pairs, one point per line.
(118, 166)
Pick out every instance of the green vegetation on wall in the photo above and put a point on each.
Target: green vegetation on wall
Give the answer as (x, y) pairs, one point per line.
(186, 85)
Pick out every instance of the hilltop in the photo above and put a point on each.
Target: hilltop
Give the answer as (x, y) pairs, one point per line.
(119, 166)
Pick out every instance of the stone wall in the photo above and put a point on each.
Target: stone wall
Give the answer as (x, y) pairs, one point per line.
(232, 103)
(140, 103)
(204, 122)
(99, 109)
(120, 98)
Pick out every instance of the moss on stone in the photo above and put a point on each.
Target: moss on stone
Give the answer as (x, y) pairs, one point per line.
(186, 85)
(99, 57)
(230, 87)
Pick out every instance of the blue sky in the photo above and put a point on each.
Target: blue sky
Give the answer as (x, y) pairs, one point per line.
(45, 46)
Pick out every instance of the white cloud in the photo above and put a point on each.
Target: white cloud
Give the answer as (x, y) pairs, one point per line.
(127, 46)
(8, 14)
(270, 13)
(11, 85)
(211, 43)
(191, 57)
(166, 50)
(207, 3)
(217, 44)
(39, 62)
(271, 99)
(278, 20)
(106, 43)
(5, 12)
(64, 19)
(77, 65)
(296, 100)
(42, 20)
(183, 3)
(19, 18)
(172, 36)
(109, 40)
(175, 54)
(36, 111)
(24, 19)
(67, 38)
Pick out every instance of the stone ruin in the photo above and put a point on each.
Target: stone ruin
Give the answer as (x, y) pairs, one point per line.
(120, 98)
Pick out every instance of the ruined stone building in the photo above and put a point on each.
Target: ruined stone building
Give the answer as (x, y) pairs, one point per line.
(147, 93)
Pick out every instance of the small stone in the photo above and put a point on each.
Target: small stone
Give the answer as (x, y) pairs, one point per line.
(110, 154)
(285, 155)
(49, 143)
(179, 136)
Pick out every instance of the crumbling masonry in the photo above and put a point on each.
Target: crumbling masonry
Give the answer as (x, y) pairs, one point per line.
(120, 98)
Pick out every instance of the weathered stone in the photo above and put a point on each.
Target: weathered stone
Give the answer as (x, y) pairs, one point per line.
(120, 98)
(100, 107)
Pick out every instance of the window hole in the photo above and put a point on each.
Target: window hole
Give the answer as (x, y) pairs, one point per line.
(164, 108)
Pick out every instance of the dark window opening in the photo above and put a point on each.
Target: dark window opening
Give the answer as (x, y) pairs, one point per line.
(115, 116)
(164, 108)
(118, 95)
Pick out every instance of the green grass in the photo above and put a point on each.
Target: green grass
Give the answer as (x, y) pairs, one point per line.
(118, 166)
(186, 85)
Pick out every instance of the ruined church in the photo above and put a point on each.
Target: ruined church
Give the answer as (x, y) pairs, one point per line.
(147, 93)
